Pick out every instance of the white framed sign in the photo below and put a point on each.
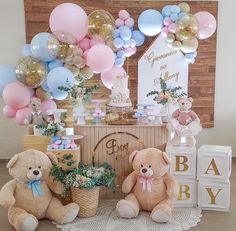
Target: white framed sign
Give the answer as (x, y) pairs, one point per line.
(160, 61)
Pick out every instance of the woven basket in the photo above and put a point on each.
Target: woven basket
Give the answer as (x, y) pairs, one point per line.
(87, 199)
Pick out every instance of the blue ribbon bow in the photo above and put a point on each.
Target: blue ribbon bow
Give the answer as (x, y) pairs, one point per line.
(35, 186)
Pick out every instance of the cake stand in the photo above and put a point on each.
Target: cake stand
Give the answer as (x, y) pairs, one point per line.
(98, 113)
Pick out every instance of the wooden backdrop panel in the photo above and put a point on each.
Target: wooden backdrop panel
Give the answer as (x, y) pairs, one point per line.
(201, 73)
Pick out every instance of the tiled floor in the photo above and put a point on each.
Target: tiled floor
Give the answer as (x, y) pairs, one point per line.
(211, 221)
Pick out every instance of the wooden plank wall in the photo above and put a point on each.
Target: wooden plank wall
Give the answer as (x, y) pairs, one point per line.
(201, 74)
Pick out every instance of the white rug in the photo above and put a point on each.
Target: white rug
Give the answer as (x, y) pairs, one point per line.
(106, 220)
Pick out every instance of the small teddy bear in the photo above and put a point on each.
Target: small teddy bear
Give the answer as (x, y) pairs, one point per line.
(185, 123)
(28, 196)
(150, 187)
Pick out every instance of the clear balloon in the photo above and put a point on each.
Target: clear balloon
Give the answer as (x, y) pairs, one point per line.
(30, 71)
(101, 25)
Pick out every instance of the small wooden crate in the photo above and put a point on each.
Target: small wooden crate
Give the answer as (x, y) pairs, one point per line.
(214, 195)
(67, 158)
(35, 142)
(183, 161)
(214, 163)
(187, 193)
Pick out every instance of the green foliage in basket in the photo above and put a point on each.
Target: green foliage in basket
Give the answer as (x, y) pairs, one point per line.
(85, 176)
(51, 129)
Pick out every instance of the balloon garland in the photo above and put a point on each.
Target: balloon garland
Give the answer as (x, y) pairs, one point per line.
(81, 45)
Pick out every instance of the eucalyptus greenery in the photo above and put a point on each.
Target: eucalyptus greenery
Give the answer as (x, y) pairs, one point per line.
(51, 129)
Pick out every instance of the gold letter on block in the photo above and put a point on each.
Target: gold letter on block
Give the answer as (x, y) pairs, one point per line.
(212, 196)
(184, 189)
(181, 160)
(213, 167)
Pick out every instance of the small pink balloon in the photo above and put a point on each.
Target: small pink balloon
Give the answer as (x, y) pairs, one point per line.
(69, 18)
(22, 114)
(129, 22)
(167, 21)
(32, 92)
(124, 14)
(85, 55)
(48, 105)
(172, 28)
(16, 95)
(119, 22)
(100, 58)
(94, 42)
(164, 31)
(9, 112)
(207, 24)
(132, 43)
(109, 77)
(130, 51)
(84, 44)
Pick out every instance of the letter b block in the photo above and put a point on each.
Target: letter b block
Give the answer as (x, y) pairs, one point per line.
(183, 161)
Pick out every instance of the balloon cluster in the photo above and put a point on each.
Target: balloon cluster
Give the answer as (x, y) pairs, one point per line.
(125, 38)
(182, 29)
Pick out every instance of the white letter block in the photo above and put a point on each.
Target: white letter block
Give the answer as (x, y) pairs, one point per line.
(187, 193)
(183, 161)
(214, 195)
(214, 163)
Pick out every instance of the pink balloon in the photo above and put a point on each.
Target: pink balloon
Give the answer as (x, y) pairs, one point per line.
(167, 21)
(70, 19)
(48, 105)
(85, 55)
(129, 22)
(100, 58)
(9, 112)
(207, 24)
(84, 44)
(130, 51)
(119, 22)
(16, 95)
(31, 91)
(172, 28)
(94, 42)
(164, 31)
(124, 14)
(22, 114)
(132, 43)
(109, 77)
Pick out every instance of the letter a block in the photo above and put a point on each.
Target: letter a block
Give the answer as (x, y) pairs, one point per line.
(214, 195)
(183, 161)
(214, 163)
(187, 193)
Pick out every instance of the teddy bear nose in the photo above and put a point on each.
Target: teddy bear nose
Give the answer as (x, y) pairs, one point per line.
(183, 103)
(144, 170)
(36, 172)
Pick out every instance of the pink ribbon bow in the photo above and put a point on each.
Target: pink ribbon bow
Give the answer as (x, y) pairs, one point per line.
(147, 183)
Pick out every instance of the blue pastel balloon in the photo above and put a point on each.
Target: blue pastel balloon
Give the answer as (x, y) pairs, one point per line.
(40, 48)
(166, 10)
(59, 95)
(175, 9)
(126, 44)
(125, 33)
(116, 33)
(119, 62)
(182, 14)
(26, 50)
(174, 17)
(120, 54)
(54, 63)
(60, 77)
(61, 146)
(138, 37)
(118, 43)
(7, 75)
(54, 139)
(45, 86)
(150, 22)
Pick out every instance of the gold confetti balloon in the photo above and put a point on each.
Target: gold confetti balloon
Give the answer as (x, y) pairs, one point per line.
(187, 27)
(65, 50)
(30, 71)
(101, 25)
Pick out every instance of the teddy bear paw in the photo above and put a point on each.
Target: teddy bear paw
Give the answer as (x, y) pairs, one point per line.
(161, 216)
(71, 215)
(29, 224)
(125, 211)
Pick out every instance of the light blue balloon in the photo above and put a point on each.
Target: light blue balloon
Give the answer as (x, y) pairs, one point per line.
(7, 75)
(59, 95)
(126, 44)
(175, 9)
(125, 33)
(45, 87)
(60, 77)
(119, 62)
(55, 63)
(174, 17)
(150, 22)
(26, 50)
(118, 43)
(182, 14)
(120, 54)
(138, 37)
(39, 47)
(116, 33)
(166, 10)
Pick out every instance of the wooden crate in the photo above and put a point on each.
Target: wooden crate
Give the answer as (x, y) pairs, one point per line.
(114, 143)
(35, 142)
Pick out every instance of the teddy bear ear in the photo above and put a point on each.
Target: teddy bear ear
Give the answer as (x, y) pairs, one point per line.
(12, 161)
(52, 157)
(190, 100)
(132, 155)
(166, 157)
(179, 99)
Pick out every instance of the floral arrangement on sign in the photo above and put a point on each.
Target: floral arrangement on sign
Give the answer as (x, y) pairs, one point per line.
(166, 94)
(53, 128)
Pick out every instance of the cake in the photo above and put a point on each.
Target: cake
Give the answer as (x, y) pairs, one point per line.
(120, 92)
